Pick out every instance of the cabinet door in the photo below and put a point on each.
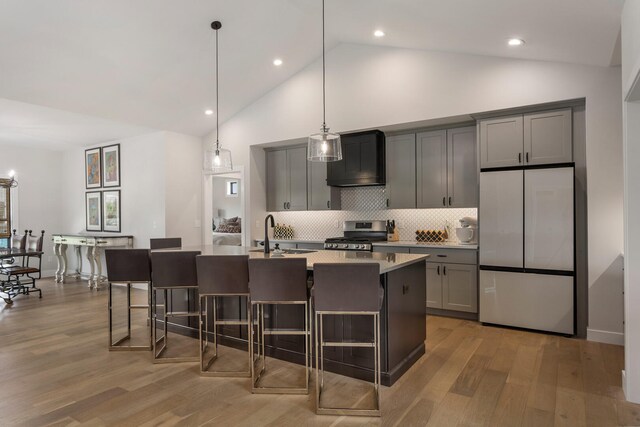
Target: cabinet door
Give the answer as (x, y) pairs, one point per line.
(501, 142)
(277, 180)
(462, 168)
(501, 219)
(401, 171)
(460, 287)
(548, 219)
(547, 137)
(434, 285)
(297, 163)
(320, 196)
(431, 169)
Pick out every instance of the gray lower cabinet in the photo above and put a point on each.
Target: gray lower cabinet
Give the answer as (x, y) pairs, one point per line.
(320, 196)
(447, 168)
(287, 179)
(452, 287)
(401, 171)
(526, 139)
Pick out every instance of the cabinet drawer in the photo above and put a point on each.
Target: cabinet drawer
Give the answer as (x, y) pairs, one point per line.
(454, 256)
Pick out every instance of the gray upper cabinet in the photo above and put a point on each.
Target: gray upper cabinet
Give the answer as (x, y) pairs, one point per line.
(277, 180)
(529, 139)
(431, 169)
(501, 142)
(320, 196)
(287, 179)
(401, 171)
(547, 137)
(447, 168)
(462, 168)
(297, 158)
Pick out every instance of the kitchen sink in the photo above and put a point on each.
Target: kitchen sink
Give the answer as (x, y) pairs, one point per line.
(288, 251)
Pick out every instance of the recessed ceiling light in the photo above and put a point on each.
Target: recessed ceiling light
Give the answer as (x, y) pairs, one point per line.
(515, 42)
(277, 62)
(378, 33)
(208, 112)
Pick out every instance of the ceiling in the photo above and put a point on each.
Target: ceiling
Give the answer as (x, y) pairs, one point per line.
(150, 63)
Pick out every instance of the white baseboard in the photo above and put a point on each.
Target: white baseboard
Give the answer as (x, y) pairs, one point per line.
(624, 383)
(606, 337)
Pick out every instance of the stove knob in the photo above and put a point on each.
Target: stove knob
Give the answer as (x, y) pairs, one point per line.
(335, 245)
(345, 246)
(360, 247)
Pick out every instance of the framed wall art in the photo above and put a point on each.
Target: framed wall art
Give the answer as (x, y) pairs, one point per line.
(93, 168)
(111, 211)
(111, 166)
(93, 210)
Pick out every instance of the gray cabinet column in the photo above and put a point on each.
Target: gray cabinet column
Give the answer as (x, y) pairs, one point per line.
(431, 169)
(462, 168)
(401, 171)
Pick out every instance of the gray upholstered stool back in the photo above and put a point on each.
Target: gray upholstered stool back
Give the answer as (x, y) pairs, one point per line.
(223, 274)
(174, 269)
(166, 243)
(128, 265)
(347, 287)
(282, 279)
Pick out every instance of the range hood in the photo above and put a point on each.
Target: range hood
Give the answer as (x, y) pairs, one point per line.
(363, 161)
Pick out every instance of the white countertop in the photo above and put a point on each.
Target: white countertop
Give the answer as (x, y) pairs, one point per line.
(398, 244)
(387, 261)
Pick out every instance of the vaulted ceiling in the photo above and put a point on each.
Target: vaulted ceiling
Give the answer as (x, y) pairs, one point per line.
(150, 63)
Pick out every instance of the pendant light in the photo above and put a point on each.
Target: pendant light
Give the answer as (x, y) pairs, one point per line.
(324, 146)
(216, 158)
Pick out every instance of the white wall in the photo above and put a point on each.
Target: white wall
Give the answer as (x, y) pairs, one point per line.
(183, 197)
(36, 201)
(371, 86)
(631, 74)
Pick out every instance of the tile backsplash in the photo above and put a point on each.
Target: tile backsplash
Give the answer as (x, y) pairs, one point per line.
(362, 203)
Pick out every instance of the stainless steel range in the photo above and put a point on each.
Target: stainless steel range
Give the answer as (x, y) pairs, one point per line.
(359, 236)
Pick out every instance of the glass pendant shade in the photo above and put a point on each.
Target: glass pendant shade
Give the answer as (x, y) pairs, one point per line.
(324, 146)
(217, 159)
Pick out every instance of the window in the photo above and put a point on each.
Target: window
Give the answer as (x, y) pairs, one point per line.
(232, 188)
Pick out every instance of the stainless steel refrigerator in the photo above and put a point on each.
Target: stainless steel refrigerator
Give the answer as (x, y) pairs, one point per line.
(527, 248)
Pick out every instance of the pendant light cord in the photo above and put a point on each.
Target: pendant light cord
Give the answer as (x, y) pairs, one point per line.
(217, 96)
(324, 90)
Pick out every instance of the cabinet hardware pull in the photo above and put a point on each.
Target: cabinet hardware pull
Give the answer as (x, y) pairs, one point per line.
(449, 200)
(441, 256)
(519, 157)
(405, 289)
(527, 157)
(444, 270)
(328, 204)
(284, 205)
(438, 270)
(387, 202)
(444, 201)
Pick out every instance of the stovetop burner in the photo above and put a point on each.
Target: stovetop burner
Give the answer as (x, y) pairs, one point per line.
(358, 236)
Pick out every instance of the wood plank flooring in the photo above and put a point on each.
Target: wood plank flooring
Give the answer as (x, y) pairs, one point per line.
(56, 370)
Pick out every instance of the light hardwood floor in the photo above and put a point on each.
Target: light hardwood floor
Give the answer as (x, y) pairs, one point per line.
(56, 370)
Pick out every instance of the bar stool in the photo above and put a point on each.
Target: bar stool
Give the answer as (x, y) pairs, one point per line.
(171, 270)
(221, 276)
(166, 243)
(128, 266)
(273, 282)
(347, 289)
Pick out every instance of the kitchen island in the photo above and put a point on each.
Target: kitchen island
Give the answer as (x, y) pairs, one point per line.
(402, 322)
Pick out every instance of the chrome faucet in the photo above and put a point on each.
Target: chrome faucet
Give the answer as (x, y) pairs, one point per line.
(266, 232)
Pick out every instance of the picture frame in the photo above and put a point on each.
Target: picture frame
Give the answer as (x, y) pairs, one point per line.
(111, 211)
(93, 168)
(93, 210)
(111, 166)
